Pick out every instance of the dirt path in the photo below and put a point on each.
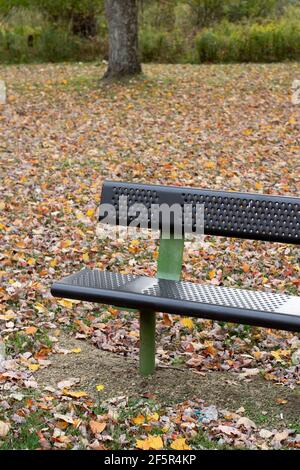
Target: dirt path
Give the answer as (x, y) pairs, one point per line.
(120, 376)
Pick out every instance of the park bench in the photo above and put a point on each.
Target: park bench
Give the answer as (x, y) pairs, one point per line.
(226, 214)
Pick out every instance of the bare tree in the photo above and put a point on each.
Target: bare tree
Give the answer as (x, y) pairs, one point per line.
(122, 17)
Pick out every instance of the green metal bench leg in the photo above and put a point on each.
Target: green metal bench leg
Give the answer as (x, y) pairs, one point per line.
(169, 267)
(147, 342)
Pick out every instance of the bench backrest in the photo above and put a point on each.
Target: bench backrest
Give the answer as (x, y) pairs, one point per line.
(228, 214)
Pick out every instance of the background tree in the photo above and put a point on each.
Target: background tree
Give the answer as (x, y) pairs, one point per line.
(122, 18)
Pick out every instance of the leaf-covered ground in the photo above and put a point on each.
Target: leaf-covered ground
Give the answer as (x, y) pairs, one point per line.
(61, 135)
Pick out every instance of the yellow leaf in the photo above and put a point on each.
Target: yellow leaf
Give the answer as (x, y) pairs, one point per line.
(280, 353)
(154, 417)
(76, 350)
(152, 442)
(40, 308)
(140, 419)
(100, 387)
(90, 212)
(257, 354)
(187, 323)
(7, 316)
(53, 263)
(258, 186)
(133, 334)
(97, 427)
(31, 330)
(74, 394)
(209, 165)
(31, 261)
(65, 303)
(66, 243)
(85, 257)
(180, 444)
(276, 355)
(33, 367)
(211, 274)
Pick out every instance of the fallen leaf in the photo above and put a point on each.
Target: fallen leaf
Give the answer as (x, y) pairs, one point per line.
(187, 323)
(33, 367)
(247, 423)
(138, 420)
(265, 433)
(31, 330)
(67, 418)
(4, 428)
(74, 394)
(97, 427)
(152, 442)
(153, 417)
(180, 444)
(68, 383)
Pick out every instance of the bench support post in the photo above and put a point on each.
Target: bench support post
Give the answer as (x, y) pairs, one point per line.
(147, 342)
(169, 266)
(169, 263)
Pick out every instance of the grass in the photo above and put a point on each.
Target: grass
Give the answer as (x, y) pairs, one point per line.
(24, 436)
(201, 442)
(19, 342)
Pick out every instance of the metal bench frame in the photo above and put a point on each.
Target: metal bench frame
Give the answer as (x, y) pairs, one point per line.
(238, 215)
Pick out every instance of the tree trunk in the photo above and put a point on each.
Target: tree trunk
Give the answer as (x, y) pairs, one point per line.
(122, 17)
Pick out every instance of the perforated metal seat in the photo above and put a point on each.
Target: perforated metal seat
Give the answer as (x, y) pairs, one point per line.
(182, 298)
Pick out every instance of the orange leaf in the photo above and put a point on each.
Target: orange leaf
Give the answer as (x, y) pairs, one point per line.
(246, 268)
(31, 330)
(140, 419)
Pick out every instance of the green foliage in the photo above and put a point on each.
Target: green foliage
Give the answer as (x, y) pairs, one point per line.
(269, 42)
(207, 12)
(161, 46)
(236, 10)
(28, 35)
(170, 31)
(54, 7)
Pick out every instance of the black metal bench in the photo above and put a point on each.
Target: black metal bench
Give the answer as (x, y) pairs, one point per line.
(238, 215)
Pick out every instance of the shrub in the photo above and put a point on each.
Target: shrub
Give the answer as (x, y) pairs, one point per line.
(27, 35)
(161, 46)
(268, 42)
